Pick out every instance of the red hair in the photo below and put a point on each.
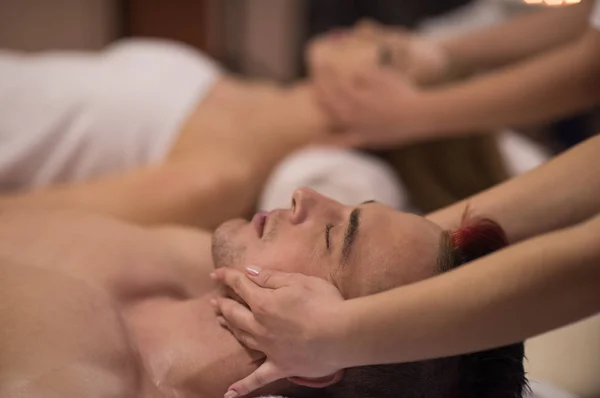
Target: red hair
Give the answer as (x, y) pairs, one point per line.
(496, 373)
(475, 238)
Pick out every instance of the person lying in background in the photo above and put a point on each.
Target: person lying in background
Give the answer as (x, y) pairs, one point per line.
(101, 307)
(153, 132)
(523, 71)
(149, 131)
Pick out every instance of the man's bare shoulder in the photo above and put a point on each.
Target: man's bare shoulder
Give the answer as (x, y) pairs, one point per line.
(189, 242)
(61, 339)
(193, 249)
(72, 383)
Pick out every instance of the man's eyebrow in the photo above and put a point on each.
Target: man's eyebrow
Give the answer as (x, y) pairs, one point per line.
(350, 235)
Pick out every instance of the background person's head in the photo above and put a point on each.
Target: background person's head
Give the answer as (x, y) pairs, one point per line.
(363, 251)
(434, 173)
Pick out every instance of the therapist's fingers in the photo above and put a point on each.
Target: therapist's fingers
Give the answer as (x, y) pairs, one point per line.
(237, 315)
(327, 89)
(269, 278)
(265, 374)
(335, 93)
(243, 337)
(241, 285)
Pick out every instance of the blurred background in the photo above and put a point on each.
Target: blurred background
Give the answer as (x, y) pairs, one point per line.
(259, 38)
(265, 38)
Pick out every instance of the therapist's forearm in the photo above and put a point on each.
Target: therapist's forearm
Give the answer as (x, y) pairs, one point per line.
(549, 86)
(517, 38)
(559, 193)
(511, 295)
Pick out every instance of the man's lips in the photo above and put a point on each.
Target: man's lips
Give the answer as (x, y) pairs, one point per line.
(258, 221)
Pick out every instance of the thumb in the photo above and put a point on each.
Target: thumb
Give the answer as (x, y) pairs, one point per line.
(265, 374)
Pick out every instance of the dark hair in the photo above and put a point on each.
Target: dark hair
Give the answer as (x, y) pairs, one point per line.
(496, 373)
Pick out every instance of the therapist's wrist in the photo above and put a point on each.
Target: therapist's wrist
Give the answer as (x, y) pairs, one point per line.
(345, 348)
(433, 66)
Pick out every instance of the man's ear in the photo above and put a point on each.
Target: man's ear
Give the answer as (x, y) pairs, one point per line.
(320, 382)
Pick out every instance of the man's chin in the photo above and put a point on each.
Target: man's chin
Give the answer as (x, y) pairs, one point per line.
(231, 226)
(226, 249)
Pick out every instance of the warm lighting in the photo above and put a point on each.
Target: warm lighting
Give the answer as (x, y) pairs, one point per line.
(553, 3)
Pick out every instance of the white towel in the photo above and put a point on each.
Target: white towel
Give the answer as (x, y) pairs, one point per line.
(347, 176)
(70, 116)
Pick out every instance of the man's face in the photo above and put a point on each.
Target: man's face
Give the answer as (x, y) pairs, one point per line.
(362, 250)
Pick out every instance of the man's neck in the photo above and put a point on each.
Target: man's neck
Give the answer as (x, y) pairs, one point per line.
(184, 349)
(307, 110)
(293, 121)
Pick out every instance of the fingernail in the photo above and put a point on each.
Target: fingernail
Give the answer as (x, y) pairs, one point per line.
(253, 270)
(231, 394)
(213, 275)
(213, 302)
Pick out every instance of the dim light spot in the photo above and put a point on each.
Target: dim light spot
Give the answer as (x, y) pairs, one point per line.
(553, 3)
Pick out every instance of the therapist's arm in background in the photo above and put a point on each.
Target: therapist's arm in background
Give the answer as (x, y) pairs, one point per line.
(517, 39)
(386, 108)
(552, 84)
(429, 61)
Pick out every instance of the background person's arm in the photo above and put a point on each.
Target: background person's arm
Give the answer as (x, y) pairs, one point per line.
(550, 85)
(377, 107)
(430, 61)
(516, 39)
(189, 193)
(522, 291)
(560, 193)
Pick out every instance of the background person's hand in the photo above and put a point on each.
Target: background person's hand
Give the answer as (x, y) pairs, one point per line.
(295, 320)
(424, 61)
(375, 107)
(349, 53)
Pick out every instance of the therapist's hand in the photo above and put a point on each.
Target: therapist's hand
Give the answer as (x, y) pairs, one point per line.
(295, 320)
(423, 60)
(375, 107)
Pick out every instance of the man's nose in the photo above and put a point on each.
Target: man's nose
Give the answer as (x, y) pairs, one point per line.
(307, 202)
